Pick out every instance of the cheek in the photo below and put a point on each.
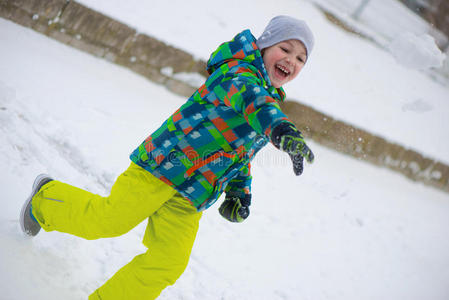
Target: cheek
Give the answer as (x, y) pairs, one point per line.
(297, 70)
(268, 62)
(271, 57)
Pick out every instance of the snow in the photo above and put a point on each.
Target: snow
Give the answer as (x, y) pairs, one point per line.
(387, 17)
(417, 51)
(192, 79)
(343, 230)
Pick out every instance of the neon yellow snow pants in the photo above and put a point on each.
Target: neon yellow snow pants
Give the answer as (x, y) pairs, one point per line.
(136, 195)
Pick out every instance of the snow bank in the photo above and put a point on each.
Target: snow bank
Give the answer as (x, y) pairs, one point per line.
(418, 52)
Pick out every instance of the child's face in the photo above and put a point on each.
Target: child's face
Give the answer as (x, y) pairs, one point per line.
(284, 60)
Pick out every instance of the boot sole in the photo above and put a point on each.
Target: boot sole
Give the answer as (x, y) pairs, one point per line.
(38, 183)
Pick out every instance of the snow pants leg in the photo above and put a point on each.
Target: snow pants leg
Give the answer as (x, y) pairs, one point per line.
(136, 195)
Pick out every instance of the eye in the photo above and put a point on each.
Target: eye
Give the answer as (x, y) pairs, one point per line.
(284, 49)
(301, 60)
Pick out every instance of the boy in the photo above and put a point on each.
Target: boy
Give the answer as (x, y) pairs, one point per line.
(199, 152)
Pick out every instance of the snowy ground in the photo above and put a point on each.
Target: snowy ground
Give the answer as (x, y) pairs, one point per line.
(343, 230)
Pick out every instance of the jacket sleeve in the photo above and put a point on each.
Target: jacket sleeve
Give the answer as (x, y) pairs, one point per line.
(240, 186)
(248, 98)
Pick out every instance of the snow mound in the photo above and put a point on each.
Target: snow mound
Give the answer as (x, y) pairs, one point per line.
(418, 52)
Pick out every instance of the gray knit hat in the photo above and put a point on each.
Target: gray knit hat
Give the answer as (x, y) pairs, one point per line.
(282, 28)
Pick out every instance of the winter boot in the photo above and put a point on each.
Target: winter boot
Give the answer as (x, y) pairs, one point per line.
(28, 222)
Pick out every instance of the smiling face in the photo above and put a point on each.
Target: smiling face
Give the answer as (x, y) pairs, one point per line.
(284, 60)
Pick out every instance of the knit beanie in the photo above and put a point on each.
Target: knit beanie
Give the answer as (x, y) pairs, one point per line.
(282, 28)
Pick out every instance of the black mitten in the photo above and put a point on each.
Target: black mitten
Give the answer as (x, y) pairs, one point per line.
(234, 208)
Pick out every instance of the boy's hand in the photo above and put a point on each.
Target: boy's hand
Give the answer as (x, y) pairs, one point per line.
(289, 139)
(298, 164)
(234, 209)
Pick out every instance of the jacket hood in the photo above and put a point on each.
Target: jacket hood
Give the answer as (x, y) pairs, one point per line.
(242, 48)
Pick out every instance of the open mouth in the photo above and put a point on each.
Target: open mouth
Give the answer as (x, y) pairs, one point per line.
(282, 71)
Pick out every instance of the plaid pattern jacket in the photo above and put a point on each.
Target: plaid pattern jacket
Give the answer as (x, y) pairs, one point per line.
(205, 147)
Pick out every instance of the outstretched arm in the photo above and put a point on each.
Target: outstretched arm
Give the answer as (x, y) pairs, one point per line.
(253, 102)
(265, 116)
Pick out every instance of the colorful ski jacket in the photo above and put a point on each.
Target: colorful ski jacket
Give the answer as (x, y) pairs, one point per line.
(205, 147)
